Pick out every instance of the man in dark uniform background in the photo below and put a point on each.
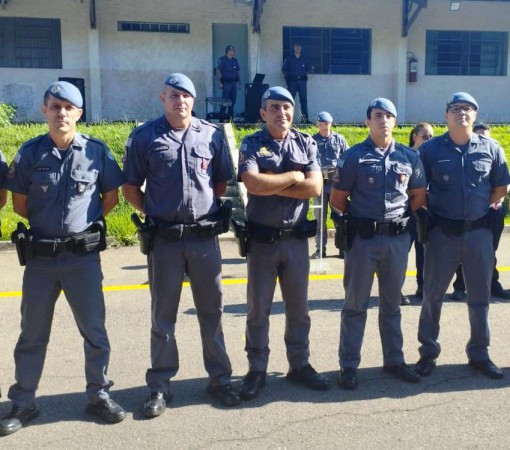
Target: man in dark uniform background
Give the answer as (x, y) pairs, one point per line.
(466, 173)
(227, 74)
(279, 168)
(184, 163)
(295, 70)
(330, 145)
(376, 182)
(64, 183)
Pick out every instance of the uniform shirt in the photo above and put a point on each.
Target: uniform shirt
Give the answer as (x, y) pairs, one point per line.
(261, 153)
(329, 150)
(63, 192)
(378, 182)
(229, 69)
(179, 170)
(295, 67)
(460, 182)
(4, 168)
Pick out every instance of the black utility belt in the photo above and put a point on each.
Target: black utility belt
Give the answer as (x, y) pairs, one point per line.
(367, 228)
(457, 227)
(178, 231)
(268, 235)
(298, 78)
(229, 80)
(78, 244)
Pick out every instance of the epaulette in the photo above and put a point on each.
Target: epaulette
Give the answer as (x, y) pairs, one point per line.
(87, 137)
(213, 125)
(301, 132)
(32, 141)
(255, 135)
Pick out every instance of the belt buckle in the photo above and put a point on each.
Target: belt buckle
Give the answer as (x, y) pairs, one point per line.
(383, 228)
(467, 226)
(286, 233)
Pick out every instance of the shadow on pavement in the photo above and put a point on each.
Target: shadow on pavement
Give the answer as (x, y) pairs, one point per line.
(373, 384)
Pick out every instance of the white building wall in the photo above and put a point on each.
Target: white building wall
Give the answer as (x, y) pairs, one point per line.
(346, 97)
(426, 99)
(134, 65)
(124, 71)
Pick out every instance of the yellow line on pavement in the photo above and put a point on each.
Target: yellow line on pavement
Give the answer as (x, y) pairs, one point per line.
(226, 282)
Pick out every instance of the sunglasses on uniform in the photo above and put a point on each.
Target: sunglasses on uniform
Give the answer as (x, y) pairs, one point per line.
(425, 137)
(458, 108)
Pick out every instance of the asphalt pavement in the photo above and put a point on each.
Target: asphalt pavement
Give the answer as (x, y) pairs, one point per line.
(453, 408)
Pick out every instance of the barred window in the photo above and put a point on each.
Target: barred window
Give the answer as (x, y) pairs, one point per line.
(466, 53)
(154, 27)
(30, 43)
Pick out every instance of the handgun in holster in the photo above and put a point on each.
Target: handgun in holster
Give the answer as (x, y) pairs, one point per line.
(145, 232)
(21, 237)
(343, 233)
(242, 237)
(422, 225)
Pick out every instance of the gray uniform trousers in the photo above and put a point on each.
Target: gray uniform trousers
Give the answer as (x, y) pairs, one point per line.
(80, 277)
(288, 260)
(443, 253)
(200, 259)
(385, 256)
(317, 214)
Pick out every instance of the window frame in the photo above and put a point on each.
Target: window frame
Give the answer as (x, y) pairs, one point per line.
(30, 43)
(466, 53)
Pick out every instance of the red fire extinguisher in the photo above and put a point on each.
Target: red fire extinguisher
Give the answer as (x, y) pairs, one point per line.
(413, 69)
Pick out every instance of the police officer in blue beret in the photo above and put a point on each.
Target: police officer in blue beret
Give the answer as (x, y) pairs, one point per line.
(330, 145)
(375, 184)
(227, 74)
(295, 70)
(466, 173)
(279, 168)
(184, 164)
(64, 183)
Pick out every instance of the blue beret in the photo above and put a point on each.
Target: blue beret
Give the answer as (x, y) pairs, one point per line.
(324, 116)
(382, 103)
(181, 82)
(229, 47)
(461, 97)
(278, 93)
(65, 91)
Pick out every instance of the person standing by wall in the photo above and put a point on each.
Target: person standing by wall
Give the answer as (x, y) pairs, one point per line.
(296, 68)
(227, 75)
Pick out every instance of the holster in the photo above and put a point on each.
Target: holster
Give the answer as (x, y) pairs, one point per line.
(307, 229)
(242, 237)
(343, 232)
(22, 239)
(422, 225)
(145, 232)
(217, 223)
(92, 239)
